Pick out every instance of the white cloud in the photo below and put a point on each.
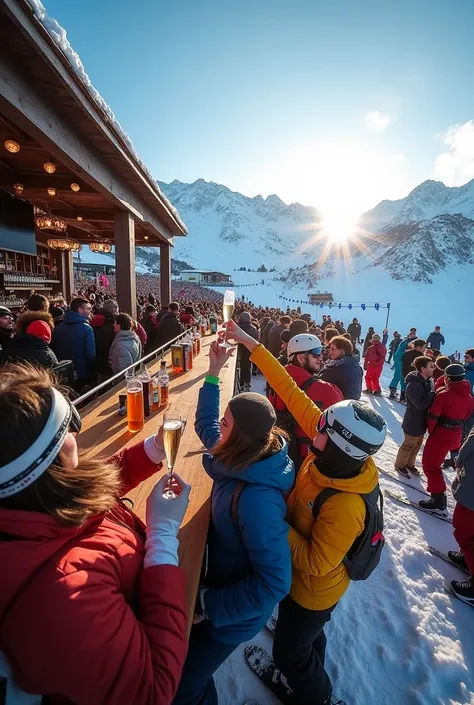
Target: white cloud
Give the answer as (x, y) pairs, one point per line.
(456, 166)
(375, 120)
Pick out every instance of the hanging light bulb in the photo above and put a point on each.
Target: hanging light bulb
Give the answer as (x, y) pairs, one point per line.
(80, 218)
(146, 237)
(12, 146)
(49, 167)
(19, 188)
(100, 246)
(75, 187)
(51, 191)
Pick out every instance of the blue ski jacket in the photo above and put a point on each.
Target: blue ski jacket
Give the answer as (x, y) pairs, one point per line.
(249, 563)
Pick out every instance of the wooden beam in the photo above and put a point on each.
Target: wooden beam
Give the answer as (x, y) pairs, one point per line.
(124, 227)
(8, 177)
(91, 216)
(66, 275)
(165, 274)
(24, 104)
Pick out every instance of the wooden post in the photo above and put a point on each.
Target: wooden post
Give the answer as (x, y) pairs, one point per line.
(66, 275)
(165, 274)
(124, 231)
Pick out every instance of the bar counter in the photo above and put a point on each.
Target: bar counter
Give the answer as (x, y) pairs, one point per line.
(107, 432)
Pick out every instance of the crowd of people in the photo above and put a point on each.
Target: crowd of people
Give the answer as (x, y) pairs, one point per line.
(90, 339)
(295, 510)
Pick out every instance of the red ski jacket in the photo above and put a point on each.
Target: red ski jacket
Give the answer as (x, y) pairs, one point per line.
(375, 354)
(186, 319)
(452, 405)
(323, 394)
(81, 620)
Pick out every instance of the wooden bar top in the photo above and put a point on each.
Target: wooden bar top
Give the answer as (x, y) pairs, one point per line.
(107, 432)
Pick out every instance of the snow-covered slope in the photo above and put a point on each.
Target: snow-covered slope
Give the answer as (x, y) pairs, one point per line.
(398, 638)
(429, 199)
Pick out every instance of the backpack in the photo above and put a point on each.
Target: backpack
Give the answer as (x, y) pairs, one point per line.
(287, 422)
(364, 554)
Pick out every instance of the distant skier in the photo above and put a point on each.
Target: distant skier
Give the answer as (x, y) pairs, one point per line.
(436, 339)
(397, 359)
(354, 331)
(373, 364)
(394, 343)
(453, 404)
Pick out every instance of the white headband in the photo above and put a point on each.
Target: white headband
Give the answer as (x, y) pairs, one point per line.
(25, 469)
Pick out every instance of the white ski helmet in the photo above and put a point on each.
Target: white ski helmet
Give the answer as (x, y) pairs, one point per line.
(354, 427)
(302, 343)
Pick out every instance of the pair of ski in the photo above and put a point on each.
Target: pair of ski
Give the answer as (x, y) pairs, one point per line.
(409, 502)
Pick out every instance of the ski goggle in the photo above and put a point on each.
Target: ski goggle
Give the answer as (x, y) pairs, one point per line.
(316, 352)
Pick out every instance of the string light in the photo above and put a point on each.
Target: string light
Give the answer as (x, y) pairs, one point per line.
(51, 191)
(12, 146)
(80, 218)
(75, 187)
(49, 167)
(19, 188)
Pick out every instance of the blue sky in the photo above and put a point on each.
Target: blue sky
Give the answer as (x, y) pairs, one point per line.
(351, 100)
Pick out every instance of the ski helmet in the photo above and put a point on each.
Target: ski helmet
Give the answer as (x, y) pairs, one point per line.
(304, 343)
(354, 427)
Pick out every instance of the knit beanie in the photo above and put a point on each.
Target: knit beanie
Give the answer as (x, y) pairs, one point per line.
(455, 373)
(41, 330)
(244, 317)
(253, 414)
(110, 306)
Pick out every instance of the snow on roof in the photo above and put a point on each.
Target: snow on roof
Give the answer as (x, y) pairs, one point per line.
(59, 36)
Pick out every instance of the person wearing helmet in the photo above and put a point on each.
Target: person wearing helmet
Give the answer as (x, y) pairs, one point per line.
(92, 602)
(344, 438)
(6, 327)
(304, 360)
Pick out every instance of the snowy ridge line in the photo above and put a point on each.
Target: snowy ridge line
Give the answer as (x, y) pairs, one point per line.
(59, 35)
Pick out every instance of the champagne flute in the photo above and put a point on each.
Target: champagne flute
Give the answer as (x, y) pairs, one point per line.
(227, 311)
(172, 431)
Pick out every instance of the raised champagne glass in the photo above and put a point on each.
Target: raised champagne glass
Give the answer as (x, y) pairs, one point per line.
(172, 431)
(227, 311)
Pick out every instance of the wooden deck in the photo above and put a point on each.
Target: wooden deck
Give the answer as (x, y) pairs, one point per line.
(104, 429)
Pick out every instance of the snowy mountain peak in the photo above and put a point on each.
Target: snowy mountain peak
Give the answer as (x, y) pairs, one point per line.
(429, 199)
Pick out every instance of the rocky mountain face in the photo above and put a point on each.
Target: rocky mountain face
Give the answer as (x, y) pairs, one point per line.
(228, 230)
(429, 199)
(413, 238)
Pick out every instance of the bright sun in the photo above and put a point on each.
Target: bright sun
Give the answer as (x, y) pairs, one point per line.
(341, 177)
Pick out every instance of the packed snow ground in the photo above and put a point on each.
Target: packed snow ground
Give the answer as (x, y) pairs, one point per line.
(399, 638)
(446, 302)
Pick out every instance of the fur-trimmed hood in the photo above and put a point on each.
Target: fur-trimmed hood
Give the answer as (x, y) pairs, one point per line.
(24, 320)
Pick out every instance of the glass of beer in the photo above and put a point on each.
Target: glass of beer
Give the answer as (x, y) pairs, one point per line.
(172, 431)
(227, 311)
(135, 411)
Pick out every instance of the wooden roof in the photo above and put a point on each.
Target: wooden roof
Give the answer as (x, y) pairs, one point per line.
(47, 109)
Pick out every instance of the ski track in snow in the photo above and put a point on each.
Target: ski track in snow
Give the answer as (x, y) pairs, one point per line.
(397, 638)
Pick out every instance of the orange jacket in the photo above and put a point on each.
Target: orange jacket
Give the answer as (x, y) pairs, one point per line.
(317, 547)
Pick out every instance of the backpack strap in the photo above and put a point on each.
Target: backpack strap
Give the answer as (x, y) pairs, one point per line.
(309, 383)
(321, 498)
(240, 485)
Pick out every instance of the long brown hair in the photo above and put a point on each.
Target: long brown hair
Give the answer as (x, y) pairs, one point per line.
(238, 451)
(71, 495)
